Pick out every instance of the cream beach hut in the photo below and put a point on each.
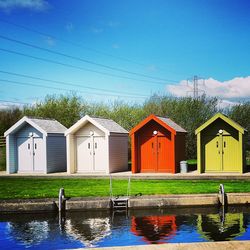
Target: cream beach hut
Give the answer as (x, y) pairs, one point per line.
(96, 145)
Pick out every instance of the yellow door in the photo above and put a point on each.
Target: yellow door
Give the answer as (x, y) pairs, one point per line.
(213, 159)
(230, 154)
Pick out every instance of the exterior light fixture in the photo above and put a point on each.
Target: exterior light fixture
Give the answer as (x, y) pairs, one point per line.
(155, 132)
(91, 133)
(220, 131)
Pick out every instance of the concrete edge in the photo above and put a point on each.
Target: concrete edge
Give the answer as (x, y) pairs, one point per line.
(153, 201)
(227, 245)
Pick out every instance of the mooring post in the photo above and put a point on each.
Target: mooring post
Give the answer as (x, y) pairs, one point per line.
(61, 200)
(222, 194)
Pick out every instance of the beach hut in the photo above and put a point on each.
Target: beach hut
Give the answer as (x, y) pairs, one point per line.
(35, 145)
(220, 146)
(157, 145)
(96, 145)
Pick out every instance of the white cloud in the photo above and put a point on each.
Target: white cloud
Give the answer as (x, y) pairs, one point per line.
(37, 5)
(238, 87)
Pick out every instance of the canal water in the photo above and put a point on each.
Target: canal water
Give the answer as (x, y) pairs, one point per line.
(137, 227)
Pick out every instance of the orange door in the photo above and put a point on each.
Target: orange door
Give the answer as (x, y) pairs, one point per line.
(162, 154)
(148, 154)
(155, 155)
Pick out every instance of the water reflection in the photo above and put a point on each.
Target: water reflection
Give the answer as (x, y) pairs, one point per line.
(89, 231)
(221, 226)
(154, 228)
(101, 229)
(31, 233)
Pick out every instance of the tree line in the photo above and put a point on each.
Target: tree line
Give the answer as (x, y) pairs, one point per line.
(187, 112)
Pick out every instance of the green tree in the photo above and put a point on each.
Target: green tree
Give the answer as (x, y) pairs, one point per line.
(8, 117)
(241, 114)
(66, 109)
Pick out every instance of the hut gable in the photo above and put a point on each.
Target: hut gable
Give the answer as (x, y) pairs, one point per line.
(225, 119)
(106, 125)
(163, 121)
(44, 126)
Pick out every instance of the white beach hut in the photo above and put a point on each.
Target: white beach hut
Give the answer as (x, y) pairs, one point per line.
(96, 145)
(35, 145)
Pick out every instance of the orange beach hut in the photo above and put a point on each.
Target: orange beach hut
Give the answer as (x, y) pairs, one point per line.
(157, 145)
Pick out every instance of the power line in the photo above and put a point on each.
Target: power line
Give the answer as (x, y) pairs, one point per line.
(69, 42)
(23, 103)
(79, 45)
(75, 67)
(61, 89)
(82, 59)
(68, 84)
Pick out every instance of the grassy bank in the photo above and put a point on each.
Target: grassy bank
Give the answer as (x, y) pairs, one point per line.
(47, 188)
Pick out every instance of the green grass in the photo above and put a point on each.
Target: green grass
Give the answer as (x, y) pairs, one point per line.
(13, 188)
(192, 162)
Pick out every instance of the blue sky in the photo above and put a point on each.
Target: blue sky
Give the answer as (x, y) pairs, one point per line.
(125, 50)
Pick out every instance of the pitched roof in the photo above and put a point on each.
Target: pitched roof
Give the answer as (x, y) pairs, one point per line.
(172, 124)
(224, 118)
(110, 125)
(49, 125)
(106, 125)
(163, 121)
(45, 126)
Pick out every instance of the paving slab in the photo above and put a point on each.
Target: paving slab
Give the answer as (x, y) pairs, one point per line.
(193, 175)
(227, 245)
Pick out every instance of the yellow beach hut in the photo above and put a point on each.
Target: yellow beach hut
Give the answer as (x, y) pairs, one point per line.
(221, 146)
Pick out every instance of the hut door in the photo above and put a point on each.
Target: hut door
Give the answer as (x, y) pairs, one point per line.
(148, 154)
(99, 153)
(84, 153)
(30, 156)
(230, 156)
(153, 154)
(161, 154)
(38, 154)
(24, 154)
(221, 153)
(213, 153)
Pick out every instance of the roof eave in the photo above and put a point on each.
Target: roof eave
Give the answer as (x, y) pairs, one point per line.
(26, 119)
(82, 122)
(149, 118)
(224, 118)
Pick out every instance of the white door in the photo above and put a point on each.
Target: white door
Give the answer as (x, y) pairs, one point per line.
(90, 154)
(24, 154)
(99, 154)
(84, 154)
(38, 154)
